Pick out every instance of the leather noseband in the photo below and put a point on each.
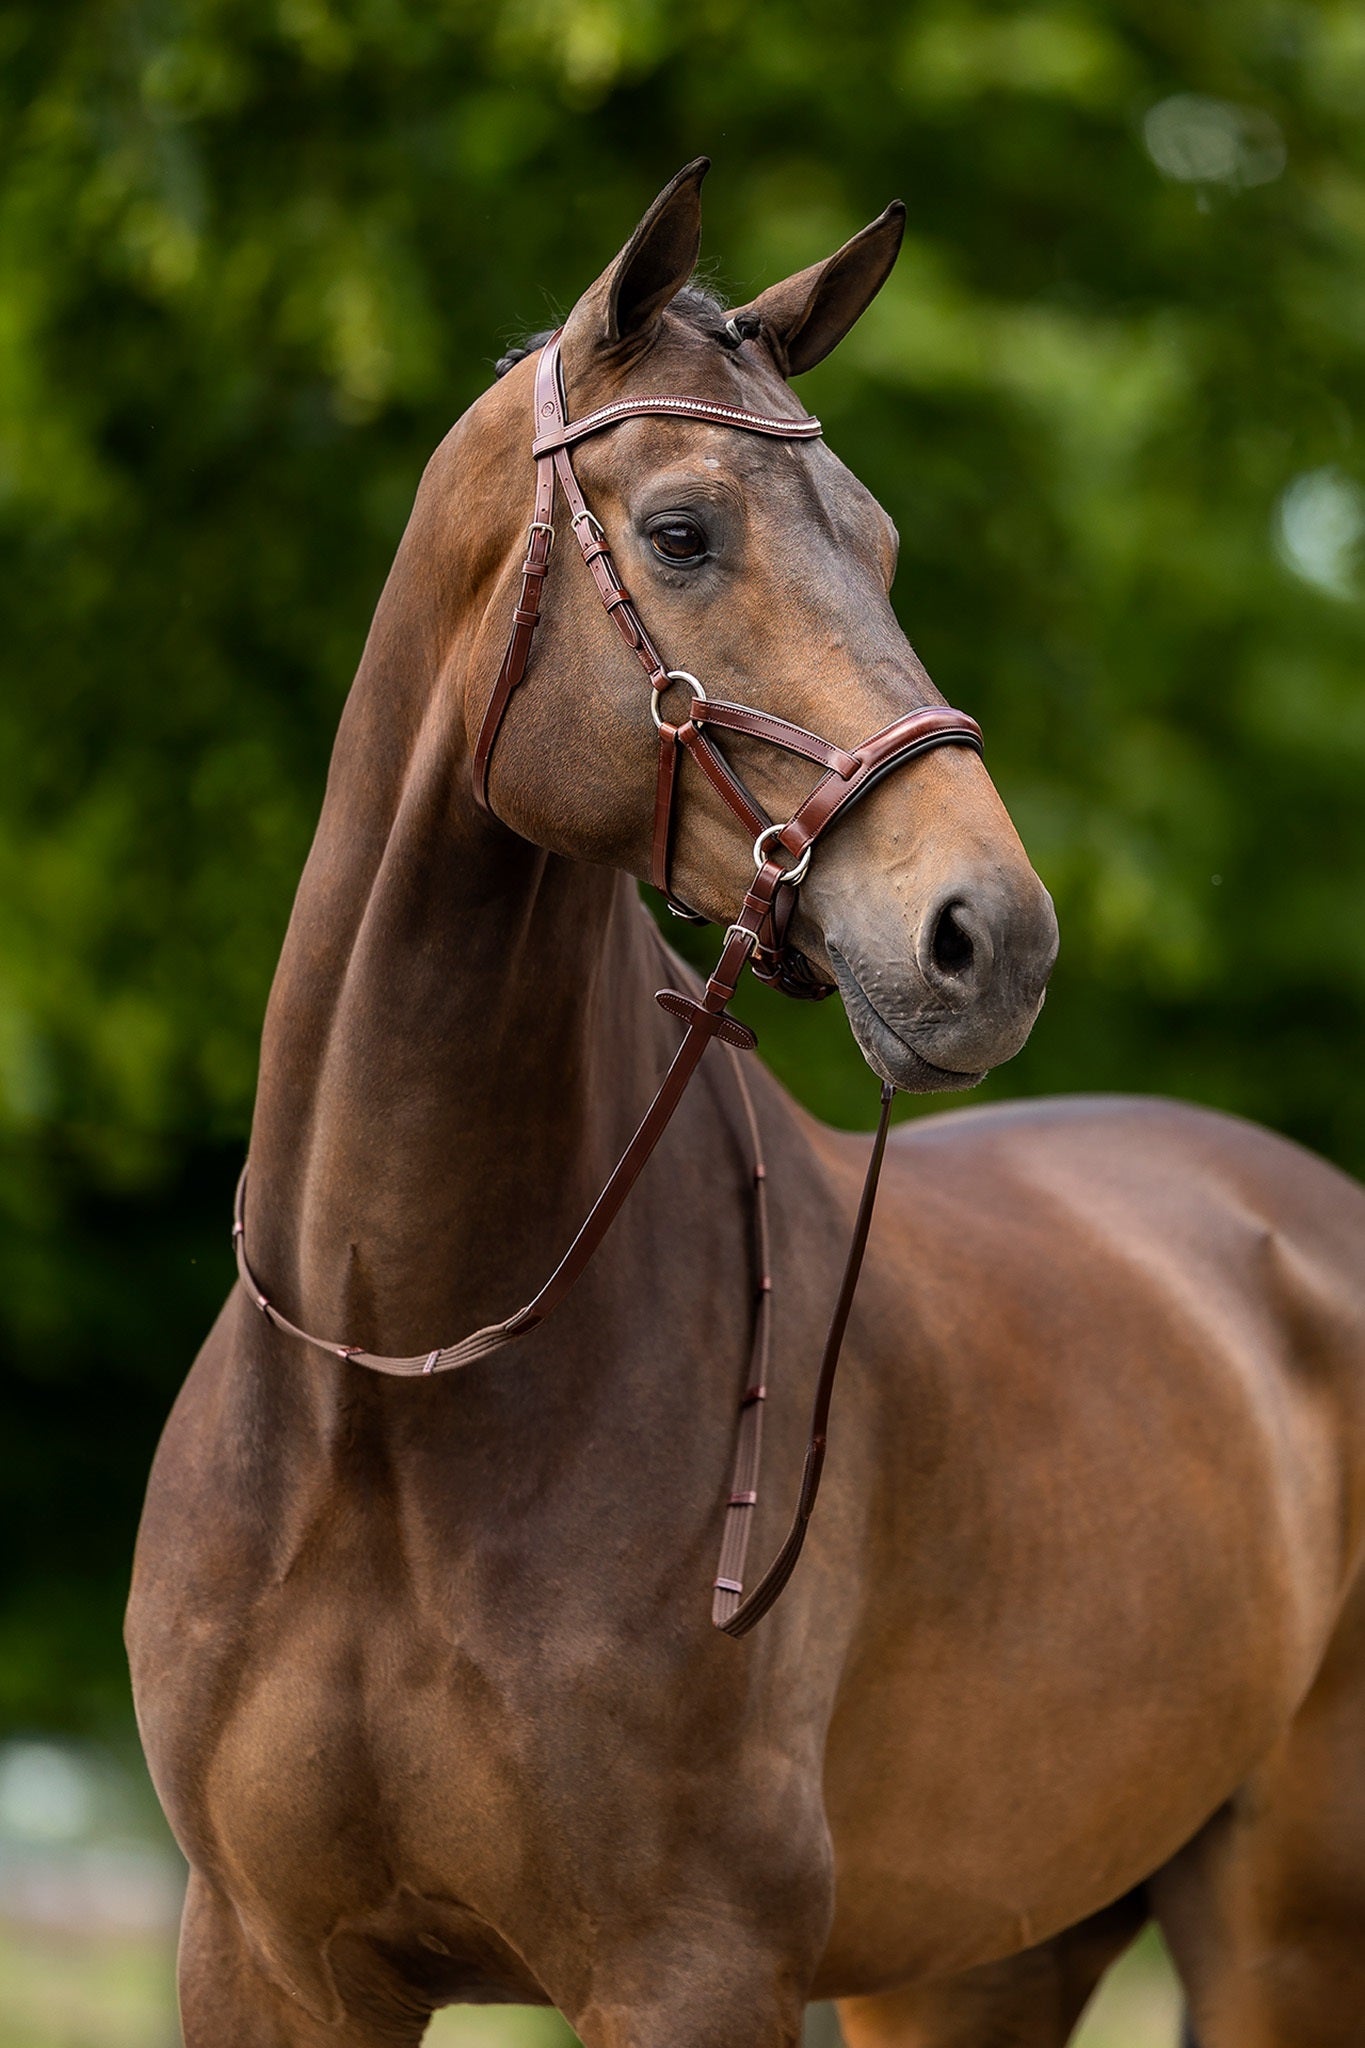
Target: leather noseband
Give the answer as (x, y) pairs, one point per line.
(757, 936)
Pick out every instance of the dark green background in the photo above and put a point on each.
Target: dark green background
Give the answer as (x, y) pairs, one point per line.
(254, 259)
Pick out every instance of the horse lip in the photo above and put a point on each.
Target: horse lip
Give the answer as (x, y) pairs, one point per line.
(883, 1047)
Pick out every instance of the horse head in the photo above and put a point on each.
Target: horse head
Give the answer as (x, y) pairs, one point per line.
(762, 568)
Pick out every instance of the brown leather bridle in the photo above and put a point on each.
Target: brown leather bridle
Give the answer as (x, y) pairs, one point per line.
(757, 936)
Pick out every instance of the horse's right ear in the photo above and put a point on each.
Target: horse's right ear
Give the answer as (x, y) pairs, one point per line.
(622, 310)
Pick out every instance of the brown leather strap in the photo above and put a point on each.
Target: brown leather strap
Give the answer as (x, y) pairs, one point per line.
(672, 405)
(661, 851)
(705, 1020)
(779, 732)
(526, 615)
(933, 725)
(723, 778)
(730, 1611)
(729, 1581)
(615, 597)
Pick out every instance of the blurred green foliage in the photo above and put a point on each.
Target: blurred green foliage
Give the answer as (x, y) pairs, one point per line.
(255, 255)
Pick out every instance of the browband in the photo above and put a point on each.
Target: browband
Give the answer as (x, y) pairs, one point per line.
(807, 428)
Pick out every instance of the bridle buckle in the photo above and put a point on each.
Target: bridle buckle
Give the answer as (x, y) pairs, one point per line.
(738, 930)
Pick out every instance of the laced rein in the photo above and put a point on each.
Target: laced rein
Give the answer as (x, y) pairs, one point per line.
(756, 937)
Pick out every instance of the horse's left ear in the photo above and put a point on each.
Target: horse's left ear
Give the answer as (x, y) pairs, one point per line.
(623, 308)
(807, 315)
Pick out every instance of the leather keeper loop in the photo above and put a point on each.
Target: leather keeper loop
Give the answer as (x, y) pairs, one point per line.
(728, 1030)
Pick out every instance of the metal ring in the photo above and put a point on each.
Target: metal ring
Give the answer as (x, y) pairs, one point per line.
(676, 908)
(795, 873)
(676, 675)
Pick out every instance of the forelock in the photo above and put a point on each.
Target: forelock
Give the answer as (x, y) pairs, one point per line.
(696, 303)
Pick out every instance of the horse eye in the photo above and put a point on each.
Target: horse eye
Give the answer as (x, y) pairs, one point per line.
(678, 540)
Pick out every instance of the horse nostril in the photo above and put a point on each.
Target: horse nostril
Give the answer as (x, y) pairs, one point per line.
(952, 948)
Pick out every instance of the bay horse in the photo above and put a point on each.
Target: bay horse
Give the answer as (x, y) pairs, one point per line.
(424, 1672)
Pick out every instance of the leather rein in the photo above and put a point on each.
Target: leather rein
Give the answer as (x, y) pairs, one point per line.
(757, 937)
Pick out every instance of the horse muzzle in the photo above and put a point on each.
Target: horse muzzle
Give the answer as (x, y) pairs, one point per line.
(941, 999)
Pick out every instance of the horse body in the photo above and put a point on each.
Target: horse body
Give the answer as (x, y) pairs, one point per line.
(1120, 1454)
(423, 1669)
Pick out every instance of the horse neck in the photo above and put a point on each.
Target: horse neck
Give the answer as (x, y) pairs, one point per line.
(458, 1028)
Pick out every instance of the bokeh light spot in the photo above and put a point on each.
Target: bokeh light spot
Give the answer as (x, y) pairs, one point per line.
(1203, 141)
(46, 1793)
(1319, 527)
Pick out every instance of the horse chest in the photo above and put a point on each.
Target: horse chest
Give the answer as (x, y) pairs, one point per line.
(432, 1784)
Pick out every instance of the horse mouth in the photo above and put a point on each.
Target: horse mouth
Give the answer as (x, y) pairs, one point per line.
(889, 1055)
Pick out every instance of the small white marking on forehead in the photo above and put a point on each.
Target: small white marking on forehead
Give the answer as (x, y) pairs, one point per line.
(711, 461)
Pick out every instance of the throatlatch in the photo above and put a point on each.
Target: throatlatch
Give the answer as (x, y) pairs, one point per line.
(757, 937)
